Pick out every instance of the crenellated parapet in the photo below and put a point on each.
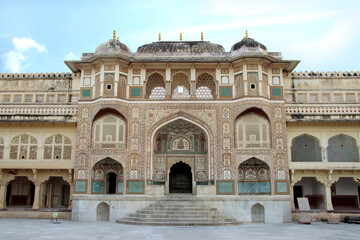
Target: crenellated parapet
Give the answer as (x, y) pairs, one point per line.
(328, 74)
(52, 75)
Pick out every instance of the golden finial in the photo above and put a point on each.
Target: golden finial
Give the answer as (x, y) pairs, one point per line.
(180, 36)
(117, 38)
(247, 34)
(114, 34)
(202, 36)
(159, 36)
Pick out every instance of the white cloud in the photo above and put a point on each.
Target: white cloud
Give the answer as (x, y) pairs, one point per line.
(12, 61)
(71, 56)
(24, 44)
(15, 60)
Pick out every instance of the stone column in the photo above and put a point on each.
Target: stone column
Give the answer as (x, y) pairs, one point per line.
(102, 80)
(168, 90)
(328, 202)
(48, 194)
(192, 90)
(36, 204)
(3, 188)
(292, 197)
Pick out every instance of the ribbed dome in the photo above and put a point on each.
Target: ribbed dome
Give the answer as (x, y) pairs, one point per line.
(181, 47)
(112, 45)
(248, 43)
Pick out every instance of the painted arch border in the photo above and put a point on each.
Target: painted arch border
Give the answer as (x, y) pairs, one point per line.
(164, 121)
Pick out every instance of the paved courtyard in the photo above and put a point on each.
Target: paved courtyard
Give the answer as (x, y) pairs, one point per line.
(44, 229)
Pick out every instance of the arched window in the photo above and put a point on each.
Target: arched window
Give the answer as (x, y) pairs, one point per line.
(107, 177)
(342, 148)
(155, 87)
(254, 177)
(252, 87)
(180, 86)
(305, 148)
(252, 131)
(109, 132)
(121, 92)
(205, 87)
(57, 147)
(109, 82)
(23, 147)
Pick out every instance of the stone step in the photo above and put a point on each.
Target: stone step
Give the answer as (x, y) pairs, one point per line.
(154, 223)
(178, 216)
(167, 208)
(146, 211)
(179, 205)
(178, 213)
(193, 220)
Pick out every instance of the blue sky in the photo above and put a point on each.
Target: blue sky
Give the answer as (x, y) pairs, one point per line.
(38, 35)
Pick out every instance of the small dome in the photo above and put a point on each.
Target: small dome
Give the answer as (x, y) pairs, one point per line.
(112, 45)
(197, 47)
(249, 44)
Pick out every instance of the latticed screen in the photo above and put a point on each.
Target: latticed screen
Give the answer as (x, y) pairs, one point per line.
(23, 147)
(181, 92)
(205, 87)
(203, 93)
(180, 86)
(157, 93)
(252, 132)
(57, 147)
(155, 87)
(109, 132)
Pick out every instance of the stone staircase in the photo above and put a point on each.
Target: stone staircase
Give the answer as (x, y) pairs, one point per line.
(178, 213)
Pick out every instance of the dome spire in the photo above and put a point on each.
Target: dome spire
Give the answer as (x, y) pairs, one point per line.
(180, 36)
(159, 36)
(202, 36)
(246, 34)
(114, 34)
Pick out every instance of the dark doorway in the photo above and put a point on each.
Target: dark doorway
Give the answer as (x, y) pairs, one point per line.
(298, 193)
(111, 183)
(180, 178)
(65, 193)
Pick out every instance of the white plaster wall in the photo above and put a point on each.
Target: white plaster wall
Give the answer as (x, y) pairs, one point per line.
(277, 208)
(346, 186)
(311, 186)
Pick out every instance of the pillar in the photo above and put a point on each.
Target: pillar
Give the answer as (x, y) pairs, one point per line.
(36, 204)
(48, 195)
(3, 188)
(102, 80)
(328, 203)
(168, 90)
(292, 197)
(192, 89)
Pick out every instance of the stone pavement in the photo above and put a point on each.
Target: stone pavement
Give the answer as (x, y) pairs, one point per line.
(43, 229)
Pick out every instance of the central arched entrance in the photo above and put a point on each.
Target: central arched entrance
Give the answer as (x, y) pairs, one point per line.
(180, 178)
(180, 157)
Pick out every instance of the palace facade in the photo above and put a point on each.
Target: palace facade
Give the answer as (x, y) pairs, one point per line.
(239, 130)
